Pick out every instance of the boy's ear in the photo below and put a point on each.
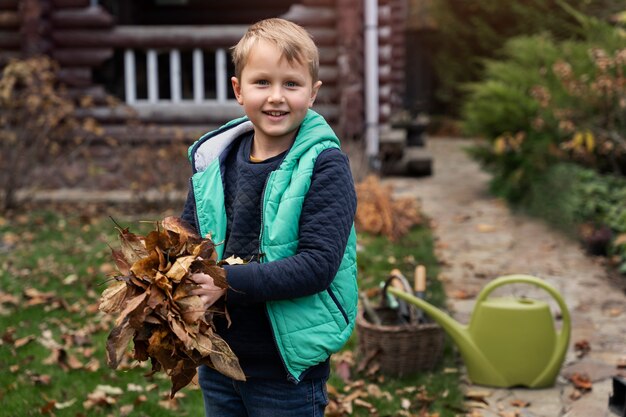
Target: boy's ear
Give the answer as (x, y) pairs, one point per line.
(237, 89)
(314, 90)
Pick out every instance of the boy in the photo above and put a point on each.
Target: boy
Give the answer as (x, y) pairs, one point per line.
(275, 188)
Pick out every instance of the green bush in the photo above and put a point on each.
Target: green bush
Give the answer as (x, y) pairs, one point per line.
(570, 196)
(549, 101)
(471, 31)
(553, 114)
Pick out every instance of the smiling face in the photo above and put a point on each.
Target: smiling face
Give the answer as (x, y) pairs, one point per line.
(275, 95)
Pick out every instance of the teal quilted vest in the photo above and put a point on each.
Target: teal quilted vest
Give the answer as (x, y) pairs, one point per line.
(307, 330)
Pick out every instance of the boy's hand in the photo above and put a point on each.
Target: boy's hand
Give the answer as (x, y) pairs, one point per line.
(209, 292)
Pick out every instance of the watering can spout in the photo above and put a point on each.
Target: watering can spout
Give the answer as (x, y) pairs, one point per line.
(458, 332)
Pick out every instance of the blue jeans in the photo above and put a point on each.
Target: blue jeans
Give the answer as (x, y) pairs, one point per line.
(224, 397)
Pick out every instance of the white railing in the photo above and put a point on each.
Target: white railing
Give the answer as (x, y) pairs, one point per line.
(156, 76)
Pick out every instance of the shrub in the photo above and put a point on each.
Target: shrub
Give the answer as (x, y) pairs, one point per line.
(579, 199)
(471, 31)
(36, 116)
(550, 101)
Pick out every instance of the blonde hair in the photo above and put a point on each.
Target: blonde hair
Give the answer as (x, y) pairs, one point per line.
(293, 41)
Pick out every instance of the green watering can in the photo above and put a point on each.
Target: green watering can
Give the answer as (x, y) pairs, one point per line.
(509, 341)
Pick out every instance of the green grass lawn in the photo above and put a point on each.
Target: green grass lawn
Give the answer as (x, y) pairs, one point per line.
(53, 269)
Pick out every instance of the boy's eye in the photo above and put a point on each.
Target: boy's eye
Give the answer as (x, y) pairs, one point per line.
(291, 84)
(262, 82)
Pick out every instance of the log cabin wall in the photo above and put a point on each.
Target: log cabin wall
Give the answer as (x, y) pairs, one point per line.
(392, 25)
(88, 40)
(10, 26)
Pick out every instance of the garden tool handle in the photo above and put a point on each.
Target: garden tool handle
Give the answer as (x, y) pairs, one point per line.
(397, 280)
(420, 279)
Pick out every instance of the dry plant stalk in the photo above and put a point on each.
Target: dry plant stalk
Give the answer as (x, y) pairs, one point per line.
(156, 310)
(378, 212)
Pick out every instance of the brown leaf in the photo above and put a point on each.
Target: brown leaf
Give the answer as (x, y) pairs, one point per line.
(520, 403)
(581, 381)
(203, 345)
(192, 308)
(180, 227)
(113, 297)
(462, 294)
(146, 267)
(207, 267)
(180, 268)
(224, 360)
(117, 342)
(133, 248)
(23, 341)
(48, 407)
(131, 306)
(582, 347)
(182, 375)
(122, 264)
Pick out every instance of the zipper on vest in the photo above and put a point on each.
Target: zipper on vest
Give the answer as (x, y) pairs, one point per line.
(261, 255)
(195, 206)
(338, 304)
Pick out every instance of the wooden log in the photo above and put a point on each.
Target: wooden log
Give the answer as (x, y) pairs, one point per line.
(62, 4)
(153, 134)
(328, 74)
(328, 55)
(324, 36)
(9, 20)
(96, 93)
(9, 4)
(166, 113)
(85, 57)
(75, 77)
(327, 95)
(6, 56)
(169, 36)
(318, 3)
(91, 17)
(152, 37)
(213, 13)
(181, 113)
(311, 16)
(9, 40)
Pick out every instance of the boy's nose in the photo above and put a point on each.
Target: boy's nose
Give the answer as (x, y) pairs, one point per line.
(276, 95)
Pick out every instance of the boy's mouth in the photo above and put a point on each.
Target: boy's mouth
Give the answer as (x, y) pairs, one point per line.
(276, 113)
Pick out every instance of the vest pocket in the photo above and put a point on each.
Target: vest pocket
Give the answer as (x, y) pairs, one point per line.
(338, 305)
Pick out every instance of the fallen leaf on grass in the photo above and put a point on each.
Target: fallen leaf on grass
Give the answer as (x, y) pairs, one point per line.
(23, 341)
(48, 407)
(66, 404)
(6, 298)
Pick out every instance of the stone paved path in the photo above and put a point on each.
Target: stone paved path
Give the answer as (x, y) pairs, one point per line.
(478, 239)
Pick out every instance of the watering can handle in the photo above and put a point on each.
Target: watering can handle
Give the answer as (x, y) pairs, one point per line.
(564, 335)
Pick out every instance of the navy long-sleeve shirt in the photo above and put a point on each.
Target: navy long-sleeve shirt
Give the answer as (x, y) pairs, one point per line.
(326, 218)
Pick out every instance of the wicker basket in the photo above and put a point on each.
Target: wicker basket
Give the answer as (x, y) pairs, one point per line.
(399, 349)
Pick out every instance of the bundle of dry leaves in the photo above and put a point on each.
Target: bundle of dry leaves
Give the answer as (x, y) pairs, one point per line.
(155, 308)
(378, 212)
